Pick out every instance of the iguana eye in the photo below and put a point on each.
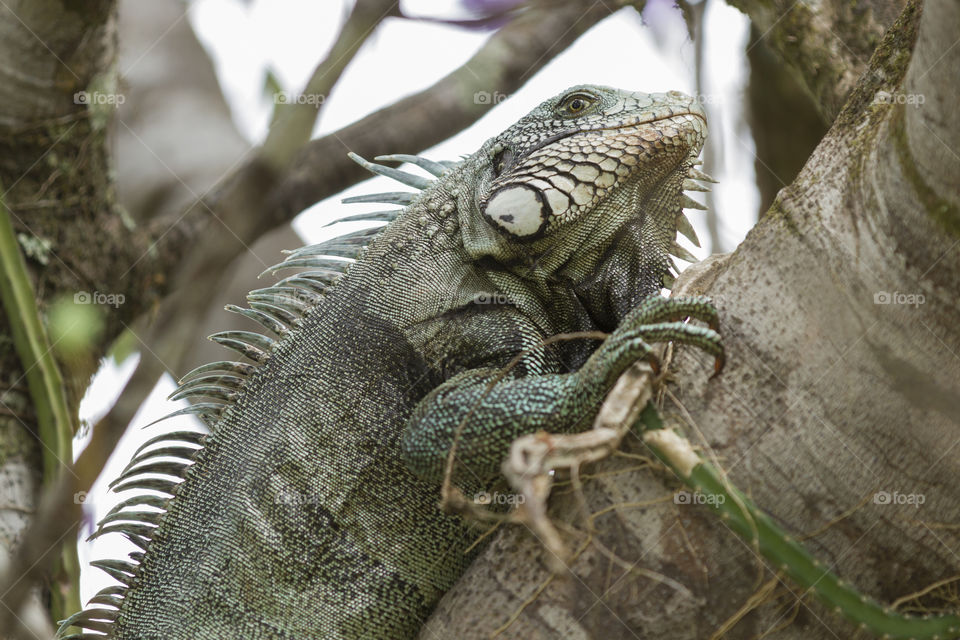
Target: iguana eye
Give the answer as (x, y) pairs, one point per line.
(575, 104)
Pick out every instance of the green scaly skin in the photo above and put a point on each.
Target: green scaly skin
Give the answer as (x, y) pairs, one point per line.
(311, 509)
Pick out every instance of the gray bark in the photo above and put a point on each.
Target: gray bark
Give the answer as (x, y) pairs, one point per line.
(49, 51)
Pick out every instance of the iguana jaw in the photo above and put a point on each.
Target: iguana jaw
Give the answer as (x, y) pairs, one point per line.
(652, 204)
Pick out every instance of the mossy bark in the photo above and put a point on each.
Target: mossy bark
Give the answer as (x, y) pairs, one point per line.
(54, 169)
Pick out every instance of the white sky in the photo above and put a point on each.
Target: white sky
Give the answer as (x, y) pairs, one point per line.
(289, 37)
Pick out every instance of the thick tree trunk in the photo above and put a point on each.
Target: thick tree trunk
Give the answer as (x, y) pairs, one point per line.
(53, 167)
(838, 412)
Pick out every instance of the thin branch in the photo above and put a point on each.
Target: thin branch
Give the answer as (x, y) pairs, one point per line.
(509, 58)
(238, 204)
(294, 118)
(197, 242)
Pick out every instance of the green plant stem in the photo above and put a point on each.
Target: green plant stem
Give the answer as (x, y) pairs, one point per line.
(54, 420)
(785, 553)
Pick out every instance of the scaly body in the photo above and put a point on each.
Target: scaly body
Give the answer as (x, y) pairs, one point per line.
(311, 509)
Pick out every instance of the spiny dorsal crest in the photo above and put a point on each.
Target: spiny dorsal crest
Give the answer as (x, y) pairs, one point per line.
(211, 388)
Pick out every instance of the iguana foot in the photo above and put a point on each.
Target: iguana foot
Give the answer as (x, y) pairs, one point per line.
(533, 458)
(657, 319)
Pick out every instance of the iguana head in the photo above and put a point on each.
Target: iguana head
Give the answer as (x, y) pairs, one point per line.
(567, 176)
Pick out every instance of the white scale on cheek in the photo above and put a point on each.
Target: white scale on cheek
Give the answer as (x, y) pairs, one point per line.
(517, 210)
(582, 194)
(558, 201)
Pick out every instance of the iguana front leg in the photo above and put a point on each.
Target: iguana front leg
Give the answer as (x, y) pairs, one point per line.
(481, 415)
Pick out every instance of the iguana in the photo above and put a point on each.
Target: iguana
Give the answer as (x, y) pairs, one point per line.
(311, 509)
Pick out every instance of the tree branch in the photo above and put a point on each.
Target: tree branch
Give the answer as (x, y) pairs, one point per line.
(827, 46)
(294, 119)
(509, 58)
